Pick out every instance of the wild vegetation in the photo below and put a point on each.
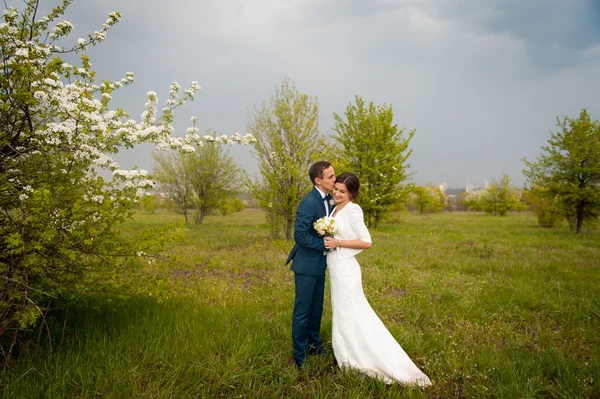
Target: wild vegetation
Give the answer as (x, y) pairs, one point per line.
(59, 211)
(486, 306)
(95, 303)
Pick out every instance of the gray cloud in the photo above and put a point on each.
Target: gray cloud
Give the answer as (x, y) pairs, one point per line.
(481, 81)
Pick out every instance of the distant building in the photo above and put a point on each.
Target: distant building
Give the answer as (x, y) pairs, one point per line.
(443, 187)
(471, 188)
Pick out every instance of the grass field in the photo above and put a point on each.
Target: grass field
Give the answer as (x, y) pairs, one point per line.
(486, 306)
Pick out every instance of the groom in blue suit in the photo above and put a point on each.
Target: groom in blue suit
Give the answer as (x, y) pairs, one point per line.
(309, 263)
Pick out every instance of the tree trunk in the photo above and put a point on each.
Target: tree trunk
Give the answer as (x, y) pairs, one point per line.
(185, 212)
(579, 219)
(288, 230)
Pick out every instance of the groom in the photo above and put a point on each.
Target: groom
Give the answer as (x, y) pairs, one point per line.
(309, 264)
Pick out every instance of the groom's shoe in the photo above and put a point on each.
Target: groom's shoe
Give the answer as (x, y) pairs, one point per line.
(297, 363)
(312, 351)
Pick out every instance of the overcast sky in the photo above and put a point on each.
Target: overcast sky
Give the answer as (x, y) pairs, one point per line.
(481, 81)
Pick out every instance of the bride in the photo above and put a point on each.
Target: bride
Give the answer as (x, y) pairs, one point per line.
(360, 340)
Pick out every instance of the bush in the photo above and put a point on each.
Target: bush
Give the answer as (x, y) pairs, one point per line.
(497, 199)
(231, 205)
(543, 205)
(149, 203)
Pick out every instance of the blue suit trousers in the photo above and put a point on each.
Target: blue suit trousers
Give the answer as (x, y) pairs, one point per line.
(308, 309)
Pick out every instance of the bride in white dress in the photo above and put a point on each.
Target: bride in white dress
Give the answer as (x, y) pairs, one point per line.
(360, 340)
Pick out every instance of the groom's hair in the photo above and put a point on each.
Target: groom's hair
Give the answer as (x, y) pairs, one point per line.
(316, 170)
(352, 183)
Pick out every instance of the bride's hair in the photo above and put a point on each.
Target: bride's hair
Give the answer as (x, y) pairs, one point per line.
(352, 183)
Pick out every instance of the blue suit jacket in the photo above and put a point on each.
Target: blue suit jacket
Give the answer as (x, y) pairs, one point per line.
(307, 255)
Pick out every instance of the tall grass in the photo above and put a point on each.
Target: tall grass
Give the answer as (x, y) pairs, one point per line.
(486, 306)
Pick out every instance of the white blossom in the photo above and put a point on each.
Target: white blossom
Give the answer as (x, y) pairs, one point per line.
(81, 126)
(174, 89)
(10, 12)
(100, 36)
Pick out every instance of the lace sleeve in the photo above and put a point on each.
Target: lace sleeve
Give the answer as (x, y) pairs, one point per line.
(357, 223)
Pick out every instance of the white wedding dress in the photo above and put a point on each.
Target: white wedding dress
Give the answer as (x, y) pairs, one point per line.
(360, 340)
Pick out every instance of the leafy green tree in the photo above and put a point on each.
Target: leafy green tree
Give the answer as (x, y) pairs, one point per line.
(427, 199)
(497, 199)
(215, 178)
(58, 215)
(376, 150)
(288, 142)
(203, 180)
(569, 168)
(474, 200)
(172, 172)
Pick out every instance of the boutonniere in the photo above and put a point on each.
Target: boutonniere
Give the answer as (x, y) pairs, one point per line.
(331, 203)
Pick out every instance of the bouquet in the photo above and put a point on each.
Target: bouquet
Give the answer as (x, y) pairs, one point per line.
(326, 227)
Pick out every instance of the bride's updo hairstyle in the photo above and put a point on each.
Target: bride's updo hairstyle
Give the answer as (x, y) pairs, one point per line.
(351, 182)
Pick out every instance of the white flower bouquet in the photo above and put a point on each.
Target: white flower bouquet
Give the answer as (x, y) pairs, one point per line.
(326, 226)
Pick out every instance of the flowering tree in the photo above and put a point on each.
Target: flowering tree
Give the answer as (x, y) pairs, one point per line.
(57, 134)
(376, 150)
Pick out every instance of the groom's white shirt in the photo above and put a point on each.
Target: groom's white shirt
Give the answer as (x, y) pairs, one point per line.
(351, 225)
(323, 198)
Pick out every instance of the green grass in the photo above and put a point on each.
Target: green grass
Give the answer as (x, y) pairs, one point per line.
(486, 306)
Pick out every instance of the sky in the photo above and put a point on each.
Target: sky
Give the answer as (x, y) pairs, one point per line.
(481, 81)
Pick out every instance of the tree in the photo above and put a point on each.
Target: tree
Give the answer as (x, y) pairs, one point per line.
(172, 172)
(376, 151)
(204, 180)
(214, 179)
(57, 134)
(288, 142)
(427, 199)
(498, 198)
(569, 169)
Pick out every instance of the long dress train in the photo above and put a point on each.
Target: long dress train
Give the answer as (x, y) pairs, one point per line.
(360, 339)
